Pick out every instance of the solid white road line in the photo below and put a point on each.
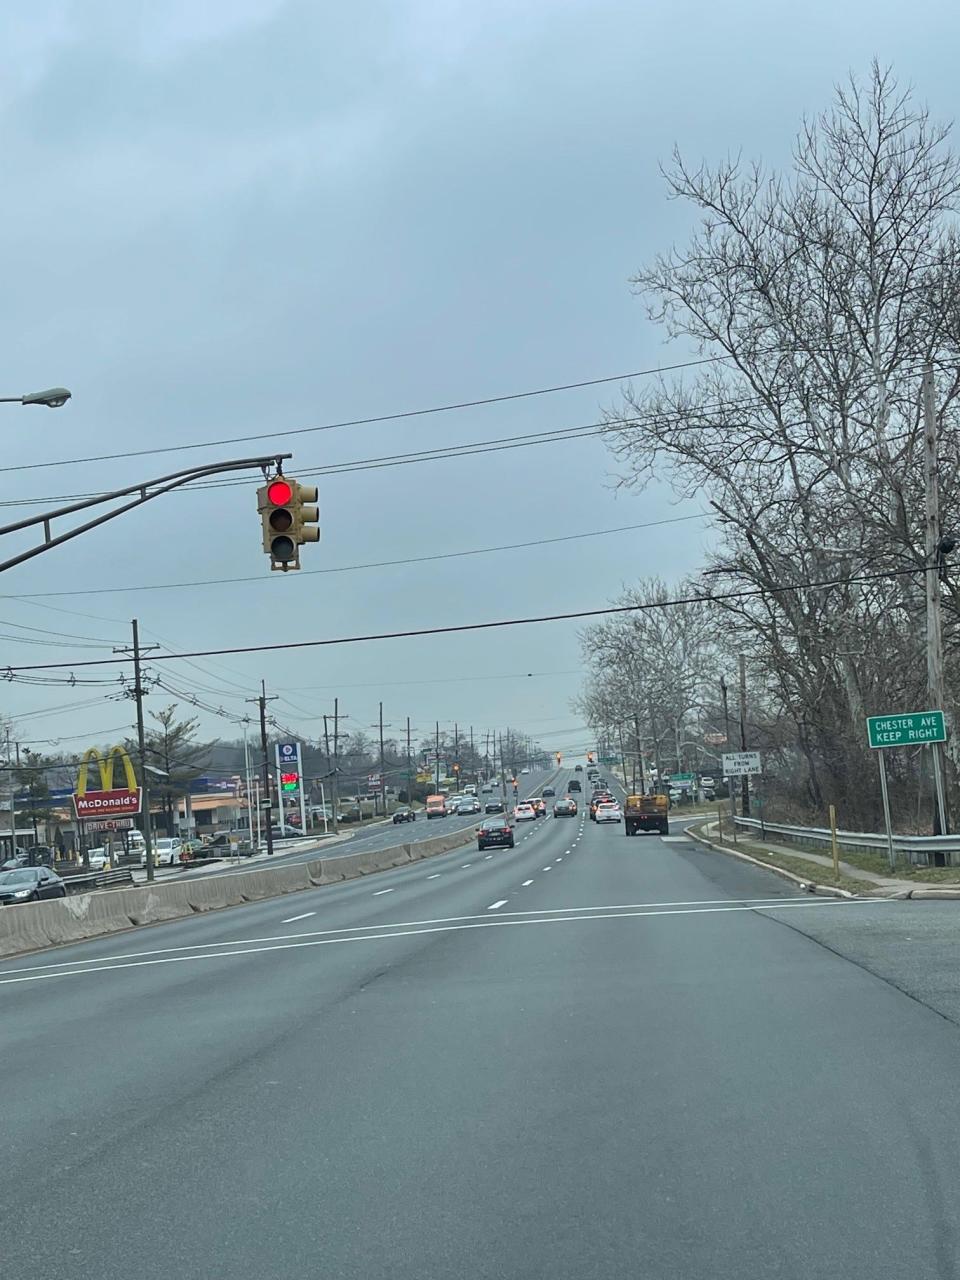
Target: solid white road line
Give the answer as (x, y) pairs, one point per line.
(495, 906)
(379, 892)
(525, 883)
(305, 916)
(107, 964)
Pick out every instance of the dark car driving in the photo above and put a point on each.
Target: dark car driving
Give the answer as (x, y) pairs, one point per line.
(404, 815)
(493, 806)
(548, 791)
(30, 884)
(494, 832)
(566, 808)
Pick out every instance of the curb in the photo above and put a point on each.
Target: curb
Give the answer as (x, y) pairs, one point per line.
(809, 886)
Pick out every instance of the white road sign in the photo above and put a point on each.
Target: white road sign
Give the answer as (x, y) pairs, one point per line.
(737, 763)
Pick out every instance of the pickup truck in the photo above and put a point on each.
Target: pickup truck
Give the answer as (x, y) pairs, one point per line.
(646, 813)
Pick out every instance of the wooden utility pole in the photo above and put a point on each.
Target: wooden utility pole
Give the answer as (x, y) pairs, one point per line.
(336, 760)
(332, 775)
(744, 781)
(639, 765)
(936, 687)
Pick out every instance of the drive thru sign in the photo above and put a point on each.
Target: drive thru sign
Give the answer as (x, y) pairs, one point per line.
(906, 730)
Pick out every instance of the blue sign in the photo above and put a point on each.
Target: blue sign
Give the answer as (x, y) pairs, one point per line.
(288, 753)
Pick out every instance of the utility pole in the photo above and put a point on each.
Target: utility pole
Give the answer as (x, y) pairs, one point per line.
(623, 758)
(330, 771)
(13, 807)
(409, 768)
(438, 757)
(383, 780)
(336, 761)
(643, 784)
(137, 692)
(456, 751)
(744, 781)
(933, 552)
(262, 703)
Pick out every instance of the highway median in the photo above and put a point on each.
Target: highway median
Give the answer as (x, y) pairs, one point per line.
(34, 926)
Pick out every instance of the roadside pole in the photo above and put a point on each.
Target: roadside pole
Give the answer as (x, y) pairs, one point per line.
(745, 781)
(437, 762)
(142, 748)
(833, 842)
(248, 784)
(335, 790)
(409, 768)
(936, 685)
(891, 857)
(262, 703)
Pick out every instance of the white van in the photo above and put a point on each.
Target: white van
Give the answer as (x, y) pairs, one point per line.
(166, 852)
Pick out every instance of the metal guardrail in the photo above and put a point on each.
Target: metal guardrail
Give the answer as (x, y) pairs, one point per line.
(98, 880)
(922, 851)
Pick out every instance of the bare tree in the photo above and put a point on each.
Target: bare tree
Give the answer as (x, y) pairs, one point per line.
(815, 298)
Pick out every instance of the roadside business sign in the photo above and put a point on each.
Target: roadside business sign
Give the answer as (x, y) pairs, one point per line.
(736, 764)
(109, 801)
(288, 754)
(906, 730)
(109, 824)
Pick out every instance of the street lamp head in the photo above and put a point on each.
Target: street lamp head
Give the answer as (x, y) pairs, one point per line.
(53, 397)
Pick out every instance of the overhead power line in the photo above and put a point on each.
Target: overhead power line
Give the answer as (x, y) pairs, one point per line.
(499, 624)
(373, 564)
(399, 416)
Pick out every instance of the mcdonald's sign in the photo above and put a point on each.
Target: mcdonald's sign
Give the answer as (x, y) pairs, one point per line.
(109, 801)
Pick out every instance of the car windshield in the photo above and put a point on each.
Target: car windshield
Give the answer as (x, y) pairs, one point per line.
(24, 875)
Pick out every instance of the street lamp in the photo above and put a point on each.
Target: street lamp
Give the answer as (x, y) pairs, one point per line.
(53, 398)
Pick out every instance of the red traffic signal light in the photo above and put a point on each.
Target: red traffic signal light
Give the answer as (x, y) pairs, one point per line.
(279, 492)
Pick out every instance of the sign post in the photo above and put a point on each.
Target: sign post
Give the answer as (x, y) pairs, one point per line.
(909, 729)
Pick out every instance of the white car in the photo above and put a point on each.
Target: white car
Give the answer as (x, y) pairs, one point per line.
(524, 813)
(166, 852)
(524, 770)
(468, 804)
(608, 813)
(97, 859)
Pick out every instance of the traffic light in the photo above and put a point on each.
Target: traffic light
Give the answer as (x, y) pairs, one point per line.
(589, 757)
(559, 758)
(287, 522)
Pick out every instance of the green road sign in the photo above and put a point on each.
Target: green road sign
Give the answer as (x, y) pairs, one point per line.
(906, 730)
(682, 777)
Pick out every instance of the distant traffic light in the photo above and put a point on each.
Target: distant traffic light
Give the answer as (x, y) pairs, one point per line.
(287, 522)
(559, 758)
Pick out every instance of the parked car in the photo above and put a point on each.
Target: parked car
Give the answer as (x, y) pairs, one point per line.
(493, 806)
(608, 812)
(30, 884)
(565, 808)
(97, 859)
(404, 815)
(493, 833)
(524, 812)
(11, 864)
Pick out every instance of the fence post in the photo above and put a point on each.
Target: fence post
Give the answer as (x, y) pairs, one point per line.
(833, 842)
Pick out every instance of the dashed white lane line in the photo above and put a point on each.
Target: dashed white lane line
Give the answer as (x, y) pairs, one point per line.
(545, 868)
(435, 876)
(464, 865)
(488, 857)
(379, 892)
(525, 883)
(305, 915)
(560, 859)
(495, 906)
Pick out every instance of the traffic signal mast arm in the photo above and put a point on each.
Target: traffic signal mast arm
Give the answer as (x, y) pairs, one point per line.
(145, 491)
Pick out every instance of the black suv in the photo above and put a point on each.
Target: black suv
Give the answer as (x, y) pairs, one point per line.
(494, 832)
(404, 815)
(493, 806)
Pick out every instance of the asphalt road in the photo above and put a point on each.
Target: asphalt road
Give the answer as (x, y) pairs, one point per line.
(588, 1057)
(381, 836)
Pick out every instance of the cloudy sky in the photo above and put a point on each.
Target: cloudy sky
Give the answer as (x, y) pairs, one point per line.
(254, 218)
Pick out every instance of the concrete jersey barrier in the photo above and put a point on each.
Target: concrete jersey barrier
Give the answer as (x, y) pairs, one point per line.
(79, 917)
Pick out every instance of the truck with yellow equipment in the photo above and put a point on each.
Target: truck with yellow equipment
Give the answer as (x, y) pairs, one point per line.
(646, 813)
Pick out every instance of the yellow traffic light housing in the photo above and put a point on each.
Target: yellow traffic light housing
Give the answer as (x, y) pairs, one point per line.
(286, 522)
